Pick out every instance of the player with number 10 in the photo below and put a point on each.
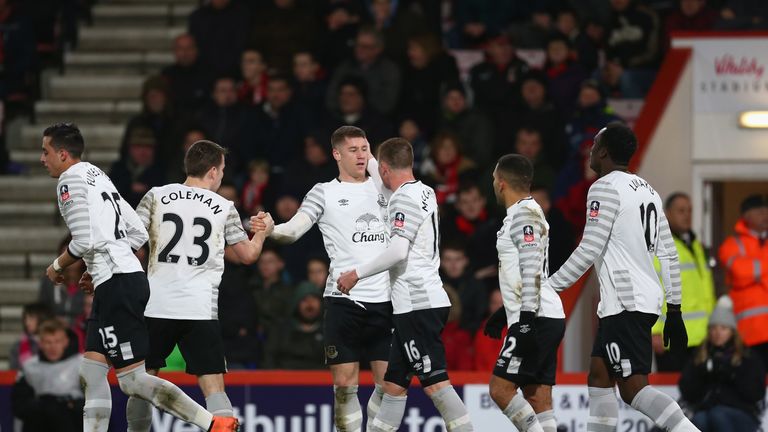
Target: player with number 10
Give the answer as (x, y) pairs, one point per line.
(625, 228)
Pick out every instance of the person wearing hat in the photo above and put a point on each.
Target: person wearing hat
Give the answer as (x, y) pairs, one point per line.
(724, 383)
(744, 255)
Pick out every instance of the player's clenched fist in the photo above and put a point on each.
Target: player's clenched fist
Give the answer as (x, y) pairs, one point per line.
(347, 281)
(86, 283)
(262, 222)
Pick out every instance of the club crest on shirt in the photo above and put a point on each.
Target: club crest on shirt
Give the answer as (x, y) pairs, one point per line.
(331, 352)
(594, 208)
(343, 202)
(528, 233)
(399, 219)
(64, 192)
(382, 201)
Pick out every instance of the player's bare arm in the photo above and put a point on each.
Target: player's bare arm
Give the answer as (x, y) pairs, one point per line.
(55, 270)
(391, 256)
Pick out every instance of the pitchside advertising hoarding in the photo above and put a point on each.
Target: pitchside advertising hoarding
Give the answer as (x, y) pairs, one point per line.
(294, 407)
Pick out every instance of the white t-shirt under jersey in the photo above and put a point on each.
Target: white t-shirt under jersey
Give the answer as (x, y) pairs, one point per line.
(522, 244)
(625, 228)
(188, 230)
(352, 220)
(104, 227)
(416, 283)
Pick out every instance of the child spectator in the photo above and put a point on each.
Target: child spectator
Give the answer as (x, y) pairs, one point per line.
(447, 167)
(487, 349)
(28, 344)
(457, 340)
(252, 199)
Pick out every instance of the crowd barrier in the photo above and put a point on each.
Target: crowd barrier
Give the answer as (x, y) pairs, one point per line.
(289, 401)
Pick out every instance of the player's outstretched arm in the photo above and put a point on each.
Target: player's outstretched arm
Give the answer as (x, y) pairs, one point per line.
(292, 230)
(248, 251)
(602, 210)
(396, 252)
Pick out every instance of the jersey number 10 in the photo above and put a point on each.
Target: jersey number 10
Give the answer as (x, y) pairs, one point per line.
(649, 217)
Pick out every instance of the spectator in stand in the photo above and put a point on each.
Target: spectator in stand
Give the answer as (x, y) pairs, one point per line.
(411, 131)
(428, 70)
(447, 168)
(353, 110)
(27, 346)
(475, 131)
(472, 294)
(495, 81)
(18, 55)
(140, 170)
(220, 28)
(156, 116)
(633, 42)
(315, 167)
(397, 22)
(309, 245)
(242, 344)
(744, 15)
(223, 117)
(539, 113)
(564, 74)
(530, 145)
(692, 15)
(479, 19)
(380, 74)
(282, 28)
(534, 32)
(559, 229)
(470, 223)
(487, 349)
(745, 258)
(271, 290)
(697, 284)
(47, 395)
(567, 23)
(54, 24)
(341, 25)
(277, 128)
(66, 298)
(252, 90)
(310, 82)
(724, 383)
(255, 196)
(175, 172)
(189, 81)
(459, 353)
(317, 272)
(297, 342)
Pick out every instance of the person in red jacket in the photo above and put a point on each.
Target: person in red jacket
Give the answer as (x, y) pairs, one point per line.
(745, 258)
(487, 349)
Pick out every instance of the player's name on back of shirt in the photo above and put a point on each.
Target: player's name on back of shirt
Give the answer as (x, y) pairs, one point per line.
(192, 195)
(91, 174)
(637, 183)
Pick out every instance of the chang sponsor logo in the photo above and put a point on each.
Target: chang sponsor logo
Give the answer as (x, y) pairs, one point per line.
(369, 229)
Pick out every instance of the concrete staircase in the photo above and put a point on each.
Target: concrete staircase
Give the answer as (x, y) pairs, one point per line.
(100, 90)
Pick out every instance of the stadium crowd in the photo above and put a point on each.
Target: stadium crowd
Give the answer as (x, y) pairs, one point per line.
(271, 79)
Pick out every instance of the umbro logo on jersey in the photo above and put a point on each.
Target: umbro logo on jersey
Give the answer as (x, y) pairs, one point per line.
(528, 233)
(343, 202)
(64, 192)
(594, 208)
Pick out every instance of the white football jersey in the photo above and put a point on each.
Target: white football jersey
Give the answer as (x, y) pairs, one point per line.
(352, 220)
(104, 228)
(625, 228)
(416, 283)
(188, 230)
(523, 245)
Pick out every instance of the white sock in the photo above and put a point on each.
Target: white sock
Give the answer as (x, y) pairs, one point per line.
(373, 405)
(390, 414)
(98, 397)
(138, 412)
(547, 421)
(521, 414)
(603, 410)
(219, 405)
(662, 409)
(348, 415)
(452, 409)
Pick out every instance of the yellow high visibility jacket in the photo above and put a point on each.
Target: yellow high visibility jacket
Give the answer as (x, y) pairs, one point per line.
(698, 291)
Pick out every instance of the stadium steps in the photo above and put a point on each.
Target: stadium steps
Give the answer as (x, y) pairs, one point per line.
(10, 318)
(27, 189)
(131, 14)
(23, 214)
(19, 291)
(99, 112)
(120, 39)
(39, 239)
(128, 63)
(97, 136)
(7, 339)
(31, 160)
(95, 88)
